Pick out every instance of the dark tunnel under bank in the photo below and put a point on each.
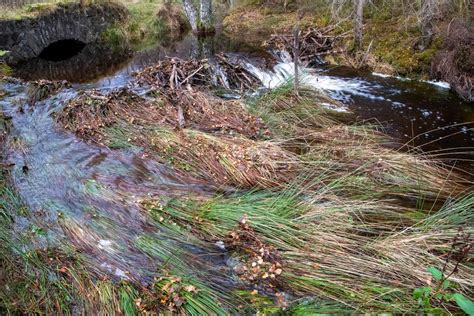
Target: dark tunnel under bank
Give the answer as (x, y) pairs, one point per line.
(62, 50)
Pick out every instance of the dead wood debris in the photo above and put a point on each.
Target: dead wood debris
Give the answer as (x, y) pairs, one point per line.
(313, 43)
(41, 89)
(86, 114)
(219, 71)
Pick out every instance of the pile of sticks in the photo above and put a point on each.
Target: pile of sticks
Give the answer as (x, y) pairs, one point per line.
(313, 43)
(219, 71)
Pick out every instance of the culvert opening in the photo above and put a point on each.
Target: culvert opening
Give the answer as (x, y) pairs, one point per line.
(62, 50)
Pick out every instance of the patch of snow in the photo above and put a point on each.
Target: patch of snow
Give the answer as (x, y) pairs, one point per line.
(335, 107)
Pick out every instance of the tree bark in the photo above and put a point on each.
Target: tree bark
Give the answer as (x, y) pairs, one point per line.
(206, 25)
(358, 23)
(426, 19)
(192, 14)
(296, 56)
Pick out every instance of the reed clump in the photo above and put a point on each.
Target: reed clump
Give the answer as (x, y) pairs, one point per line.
(336, 218)
(279, 137)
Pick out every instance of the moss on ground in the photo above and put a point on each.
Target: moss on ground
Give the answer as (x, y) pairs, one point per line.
(393, 48)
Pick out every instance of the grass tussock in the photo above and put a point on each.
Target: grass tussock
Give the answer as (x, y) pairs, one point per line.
(278, 137)
(327, 225)
(329, 248)
(346, 151)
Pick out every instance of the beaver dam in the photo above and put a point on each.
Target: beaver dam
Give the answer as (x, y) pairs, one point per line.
(207, 184)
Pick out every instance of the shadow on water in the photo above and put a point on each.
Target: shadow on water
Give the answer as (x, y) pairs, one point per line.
(426, 115)
(74, 62)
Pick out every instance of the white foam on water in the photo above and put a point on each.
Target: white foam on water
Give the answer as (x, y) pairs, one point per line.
(378, 74)
(339, 89)
(120, 273)
(105, 244)
(335, 107)
(441, 84)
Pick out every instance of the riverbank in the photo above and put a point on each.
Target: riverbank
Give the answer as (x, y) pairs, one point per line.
(390, 44)
(294, 208)
(212, 187)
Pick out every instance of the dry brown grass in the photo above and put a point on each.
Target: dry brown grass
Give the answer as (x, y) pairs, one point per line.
(91, 111)
(221, 142)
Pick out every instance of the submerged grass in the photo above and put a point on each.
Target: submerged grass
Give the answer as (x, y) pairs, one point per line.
(319, 215)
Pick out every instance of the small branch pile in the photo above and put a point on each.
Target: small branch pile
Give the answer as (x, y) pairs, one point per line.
(313, 43)
(219, 71)
(41, 89)
(91, 111)
(217, 146)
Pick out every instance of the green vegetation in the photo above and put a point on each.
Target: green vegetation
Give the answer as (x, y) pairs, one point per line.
(149, 22)
(335, 217)
(30, 10)
(5, 70)
(391, 30)
(443, 292)
(274, 204)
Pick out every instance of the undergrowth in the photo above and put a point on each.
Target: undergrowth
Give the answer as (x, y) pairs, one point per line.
(150, 22)
(306, 211)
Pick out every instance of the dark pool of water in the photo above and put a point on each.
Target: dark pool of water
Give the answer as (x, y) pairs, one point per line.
(421, 114)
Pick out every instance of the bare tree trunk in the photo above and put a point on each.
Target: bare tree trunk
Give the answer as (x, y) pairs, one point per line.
(358, 23)
(427, 13)
(192, 14)
(296, 55)
(206, 17)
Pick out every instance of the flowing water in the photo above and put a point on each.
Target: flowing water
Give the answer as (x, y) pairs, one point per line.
(95, 194)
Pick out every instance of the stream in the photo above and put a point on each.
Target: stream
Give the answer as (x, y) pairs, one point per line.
(95, 193)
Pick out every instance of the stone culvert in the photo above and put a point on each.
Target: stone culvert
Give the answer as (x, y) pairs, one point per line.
(27, 38)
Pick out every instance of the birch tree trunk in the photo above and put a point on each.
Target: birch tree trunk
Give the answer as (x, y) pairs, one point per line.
(191, 13)
(427, 13)
(206, 17)
(358, 23)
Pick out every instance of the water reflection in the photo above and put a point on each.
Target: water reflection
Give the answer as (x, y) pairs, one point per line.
(93, 61)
